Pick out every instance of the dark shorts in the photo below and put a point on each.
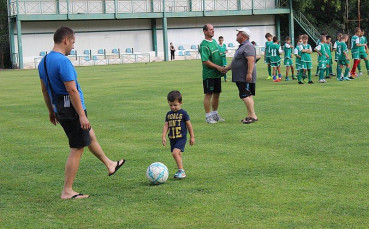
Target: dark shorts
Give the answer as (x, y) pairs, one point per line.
(178, 143)
(78, 138)
(212, 85)
(245, 89)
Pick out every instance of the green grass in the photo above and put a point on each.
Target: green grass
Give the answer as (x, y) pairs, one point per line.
(303, 164)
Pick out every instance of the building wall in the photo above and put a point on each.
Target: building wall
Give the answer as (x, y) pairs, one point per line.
(137, 34)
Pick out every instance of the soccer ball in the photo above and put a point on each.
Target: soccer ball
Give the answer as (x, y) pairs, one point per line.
(157, 173)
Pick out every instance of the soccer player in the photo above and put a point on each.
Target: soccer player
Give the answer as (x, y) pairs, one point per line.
(177, 122)
(328, 47)
(212, 71)
(297, 53)
(287, 48)
(305, 59)
(269, 42)
(339, 35)
(343, 58)
(318, 43)
(275, 59)
(322, 58)
(223, 54)
(355, 44)
(363, 53)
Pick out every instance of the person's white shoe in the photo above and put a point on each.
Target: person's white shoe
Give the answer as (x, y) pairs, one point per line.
(210, 120)
(217, 118)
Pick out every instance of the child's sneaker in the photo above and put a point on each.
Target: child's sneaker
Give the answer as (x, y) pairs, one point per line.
(322, 81)
(180, 174)
(294, 78)
(328, 77)
(210, 120)
(347, 78)
(340, 79)
(350, 77)
(269, 78)
(288, 78)
(217, 118)
(360, 73)
(310, 82)
(332, 74)
(300, 82)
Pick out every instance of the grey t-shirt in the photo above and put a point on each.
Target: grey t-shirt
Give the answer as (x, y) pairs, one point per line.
(239, 62)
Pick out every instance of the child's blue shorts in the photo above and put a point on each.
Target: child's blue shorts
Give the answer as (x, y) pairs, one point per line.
(178, 143)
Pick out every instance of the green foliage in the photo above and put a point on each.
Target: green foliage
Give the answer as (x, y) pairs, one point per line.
(304, 164)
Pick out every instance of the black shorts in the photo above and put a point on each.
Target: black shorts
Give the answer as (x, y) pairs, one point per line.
(245, 89)
(178, 143)
(212, 85)
(78, 137)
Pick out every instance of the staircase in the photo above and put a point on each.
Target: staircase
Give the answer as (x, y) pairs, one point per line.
(307, 26)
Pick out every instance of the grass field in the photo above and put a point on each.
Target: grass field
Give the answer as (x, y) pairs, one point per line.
(304, 164)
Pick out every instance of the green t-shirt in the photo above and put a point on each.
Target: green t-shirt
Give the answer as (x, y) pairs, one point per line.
(322, 49)
(223, 49)
(341, 50)
(305, 56)
(354, 40)
(274, 53)
(210, 52)
(362, 41)
(287, 51)
(267, 48)
(328, 50)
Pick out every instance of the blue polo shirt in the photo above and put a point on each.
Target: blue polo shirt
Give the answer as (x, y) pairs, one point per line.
(60, 70)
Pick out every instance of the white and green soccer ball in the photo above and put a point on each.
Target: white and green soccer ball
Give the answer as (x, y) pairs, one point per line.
(157, 173)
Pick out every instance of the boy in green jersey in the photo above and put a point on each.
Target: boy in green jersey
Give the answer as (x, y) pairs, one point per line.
(297, 53)
(355, 44)
(343, 59)
(328, 45)
(223, 54)
(318, 43)
(269, 42)
(287, 48)
(339, 35)
(322, 58)
(275, 59)
(363, 53)
(305, 59)
(212, 71)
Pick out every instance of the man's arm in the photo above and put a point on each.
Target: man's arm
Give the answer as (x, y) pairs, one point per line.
(250, 68)
(212, 65)
(77, 104)
(49, 106)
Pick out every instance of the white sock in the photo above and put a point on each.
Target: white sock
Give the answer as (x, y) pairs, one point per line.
(214, 112)
(208, 114)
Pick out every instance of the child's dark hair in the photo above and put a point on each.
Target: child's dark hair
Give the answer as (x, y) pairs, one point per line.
(329, 37)
(174, 95)
(220, 37)
(275, 39)
(287, 38)
(268, 35)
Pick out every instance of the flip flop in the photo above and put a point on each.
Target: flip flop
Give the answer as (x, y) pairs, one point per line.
(117, 167)
(249, 120)
(77, 195)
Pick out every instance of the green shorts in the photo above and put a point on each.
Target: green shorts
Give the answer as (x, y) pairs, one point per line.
(267, 59)
(343, 62)
(355, 55)
(363, 55)
(306, 65)
(288, 62)
(329, 62)
(275, 64)
(322, 64)
(298, 66)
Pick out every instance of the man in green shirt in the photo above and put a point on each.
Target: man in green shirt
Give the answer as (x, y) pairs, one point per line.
(212, 71)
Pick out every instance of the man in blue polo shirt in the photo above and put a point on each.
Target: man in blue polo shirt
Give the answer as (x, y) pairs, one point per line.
(59, 80)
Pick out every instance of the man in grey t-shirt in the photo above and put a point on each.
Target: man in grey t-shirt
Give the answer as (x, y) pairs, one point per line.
(244, 72)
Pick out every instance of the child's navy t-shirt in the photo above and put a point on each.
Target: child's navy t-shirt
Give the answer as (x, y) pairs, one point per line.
(177, 128)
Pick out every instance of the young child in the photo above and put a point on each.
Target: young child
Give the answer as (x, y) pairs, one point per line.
(287, 48)
(328, 45)
(269, 42)
(223, 54)
(322, 58)
(355, 44)
(176, 124)
(275, 59)
(305, 59)
(318, 43)
(297, 53)
(343, 59)
(363, 53)
(339, 35)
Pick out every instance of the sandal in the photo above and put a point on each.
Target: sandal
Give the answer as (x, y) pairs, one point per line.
(249, 120)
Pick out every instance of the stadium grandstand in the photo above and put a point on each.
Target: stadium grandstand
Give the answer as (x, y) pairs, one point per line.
(124, 31)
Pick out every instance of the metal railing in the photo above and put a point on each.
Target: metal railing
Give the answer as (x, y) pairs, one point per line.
(31, 7)
(307, 26)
